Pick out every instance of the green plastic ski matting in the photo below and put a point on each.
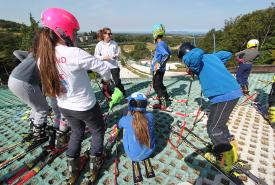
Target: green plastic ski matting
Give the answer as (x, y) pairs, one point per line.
(169, 169)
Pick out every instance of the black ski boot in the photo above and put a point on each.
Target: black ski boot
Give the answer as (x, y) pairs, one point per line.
(52, 137)
(245, 90)
(166, 105)
(28, 136)
(39, 133)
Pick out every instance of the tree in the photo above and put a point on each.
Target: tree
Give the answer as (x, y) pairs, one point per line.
(237, 31)
(28, 33)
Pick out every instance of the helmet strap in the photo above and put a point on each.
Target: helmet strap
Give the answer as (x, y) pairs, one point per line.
(66, 38)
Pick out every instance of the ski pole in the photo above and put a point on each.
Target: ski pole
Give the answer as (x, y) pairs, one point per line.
(185, 110)
(251, 96)
(179, 154)
(196, 118)
(151, 84)
(116, 172)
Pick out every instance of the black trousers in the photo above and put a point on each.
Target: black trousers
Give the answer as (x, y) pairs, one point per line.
(216, 125)
(158, 84)
(116, 77)
(78, 120)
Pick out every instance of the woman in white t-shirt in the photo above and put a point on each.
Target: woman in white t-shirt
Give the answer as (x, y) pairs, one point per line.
(63, 68)
(108, 47)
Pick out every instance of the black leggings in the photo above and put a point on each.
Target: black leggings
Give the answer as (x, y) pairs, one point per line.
(78, 120)
(116, 77)
(158, 84)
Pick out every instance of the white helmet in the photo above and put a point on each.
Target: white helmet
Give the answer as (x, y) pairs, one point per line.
(252, 43)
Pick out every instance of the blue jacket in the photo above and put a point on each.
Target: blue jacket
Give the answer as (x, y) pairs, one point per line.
(134, 150)
(162, 54)
(214, 78)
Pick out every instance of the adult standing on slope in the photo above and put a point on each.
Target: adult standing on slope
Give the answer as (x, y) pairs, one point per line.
(108, 47)
(63, 68)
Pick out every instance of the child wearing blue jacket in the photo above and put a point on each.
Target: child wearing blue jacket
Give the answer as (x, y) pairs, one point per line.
(138, 133)
(223, 91)
(161, 56)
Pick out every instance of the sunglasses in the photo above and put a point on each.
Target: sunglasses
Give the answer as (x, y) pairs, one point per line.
(108, 33)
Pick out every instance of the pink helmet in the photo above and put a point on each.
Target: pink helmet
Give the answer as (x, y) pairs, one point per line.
(62, 22)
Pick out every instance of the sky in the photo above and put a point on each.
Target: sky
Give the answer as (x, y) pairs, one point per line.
(138, 15)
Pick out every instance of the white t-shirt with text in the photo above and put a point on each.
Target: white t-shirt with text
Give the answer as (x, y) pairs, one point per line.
(72, 64)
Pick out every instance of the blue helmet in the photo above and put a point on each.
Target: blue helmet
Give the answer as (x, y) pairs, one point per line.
(137, 102)
(158, 30)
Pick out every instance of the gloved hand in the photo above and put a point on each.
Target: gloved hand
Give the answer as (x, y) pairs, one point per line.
(190, 72)
(240, 60)
(117, 96)
(92, 75)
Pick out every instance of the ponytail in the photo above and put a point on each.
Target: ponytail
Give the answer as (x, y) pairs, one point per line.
(140, 125)
(45, 53)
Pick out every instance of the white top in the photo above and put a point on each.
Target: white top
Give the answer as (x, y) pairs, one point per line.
(110, 48)
(72, 65)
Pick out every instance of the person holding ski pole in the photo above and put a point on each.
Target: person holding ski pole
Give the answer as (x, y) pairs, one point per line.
(223, 91)
(109, 48)
(138, 135)
(63, 68)
(245, 59)
(24, 82)
(161, 56)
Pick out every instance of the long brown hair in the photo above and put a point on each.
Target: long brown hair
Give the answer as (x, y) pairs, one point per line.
(101, 33)
(47, 62)
(140, 125)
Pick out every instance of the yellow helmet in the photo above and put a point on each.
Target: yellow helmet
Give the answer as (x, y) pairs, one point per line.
(252, 43)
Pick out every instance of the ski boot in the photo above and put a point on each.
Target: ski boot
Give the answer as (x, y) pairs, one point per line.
(95, 166)
(221, 155)
(61, 139)
(165, 105)
(245, 90)
(162, 105)
(39, 136)
(28, 136)
(73, 169)
(235, 149)
(271, 116)
(52, 137)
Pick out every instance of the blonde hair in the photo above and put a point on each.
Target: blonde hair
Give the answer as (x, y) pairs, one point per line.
(140, 125)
